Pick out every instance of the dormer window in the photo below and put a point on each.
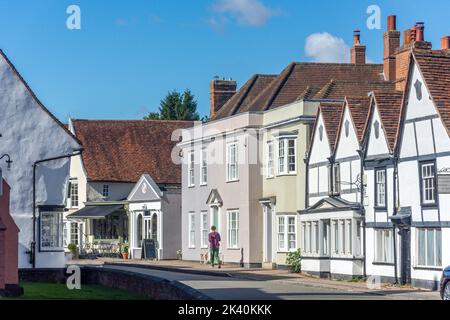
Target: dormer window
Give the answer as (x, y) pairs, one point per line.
(105, 191)
(418, 87)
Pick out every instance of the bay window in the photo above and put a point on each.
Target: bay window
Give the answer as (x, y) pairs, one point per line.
(270, 160)
(429, 247)
(342, 244)
(51, 231)
(287, 156)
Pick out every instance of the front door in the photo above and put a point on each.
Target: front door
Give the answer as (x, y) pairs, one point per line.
(405, 271)
(267, 233)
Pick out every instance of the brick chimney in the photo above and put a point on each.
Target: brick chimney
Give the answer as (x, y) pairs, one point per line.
(391, 45)
(414, 39)
(445, 43)
(220, 92)
(358, 51)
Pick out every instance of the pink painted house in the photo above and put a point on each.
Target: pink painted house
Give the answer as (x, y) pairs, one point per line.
(9, 240)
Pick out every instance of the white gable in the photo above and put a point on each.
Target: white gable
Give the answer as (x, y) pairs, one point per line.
(423, 132)
(320, 149)
(348, 141)
(377, 142)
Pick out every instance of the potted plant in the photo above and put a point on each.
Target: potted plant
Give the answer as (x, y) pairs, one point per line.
(125, 249)
(73, 248)
(180, 254)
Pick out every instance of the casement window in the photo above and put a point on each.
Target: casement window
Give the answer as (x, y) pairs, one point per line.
(342, 237)
(74, 233)
(105, 191)
(192, 230)
(384, 246)
(232, 162)
(51, 231)
(74, 193)
(233, 229)
(287, 160)
(205, 229)
(428, 183)
(191, 163)
(380, 188)
(334, 179)
(203, 167)
(326, 238)
(270, 160)
(287, 233)
(429, 247)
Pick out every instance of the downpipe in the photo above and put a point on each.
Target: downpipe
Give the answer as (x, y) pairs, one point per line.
(32, 250)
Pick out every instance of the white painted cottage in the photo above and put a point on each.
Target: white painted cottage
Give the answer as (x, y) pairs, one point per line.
(32, 137)
(424, 169)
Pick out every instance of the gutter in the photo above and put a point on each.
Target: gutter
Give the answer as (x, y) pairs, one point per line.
(32, 251)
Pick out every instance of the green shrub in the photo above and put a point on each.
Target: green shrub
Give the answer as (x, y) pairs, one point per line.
(72, 247)
(294, 261)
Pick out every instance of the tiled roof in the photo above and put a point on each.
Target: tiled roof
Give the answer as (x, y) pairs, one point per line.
(337, 89)
(249, 91)
(331, 114)
(359, 111)
(389, 104)
(123, 150)
(303, 80)
(435, 68)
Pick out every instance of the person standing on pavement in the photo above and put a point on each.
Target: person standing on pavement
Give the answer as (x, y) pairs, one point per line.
(214, 246)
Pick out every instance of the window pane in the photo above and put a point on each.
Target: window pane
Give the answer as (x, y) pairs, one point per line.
(421, 247)
(438, 248)
(430, 247)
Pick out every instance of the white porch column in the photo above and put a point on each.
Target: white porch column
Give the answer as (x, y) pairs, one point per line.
(160, 235)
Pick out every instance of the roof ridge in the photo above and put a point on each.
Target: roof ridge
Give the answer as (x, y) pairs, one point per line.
(288, 70)
(131, 120)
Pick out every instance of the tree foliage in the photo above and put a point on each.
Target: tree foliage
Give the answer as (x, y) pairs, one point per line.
(177, 106)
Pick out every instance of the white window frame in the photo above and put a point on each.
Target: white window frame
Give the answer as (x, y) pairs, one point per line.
(270, 157)
(424, 243)
(380, 188)
(283, 156)
(203, 167)
(384, 246)
(233, 227)
(428, 183)
(105, 191)
(283, 233)
(232, 164)
(74, 234)
(57, 243)
(204, 224)
(342, 237)
(74, 194)
(191, 164)
(192, 227)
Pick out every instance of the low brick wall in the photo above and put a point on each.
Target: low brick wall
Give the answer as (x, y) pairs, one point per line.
(154, 288)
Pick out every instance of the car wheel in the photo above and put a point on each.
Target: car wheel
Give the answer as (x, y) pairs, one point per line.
(447, 291)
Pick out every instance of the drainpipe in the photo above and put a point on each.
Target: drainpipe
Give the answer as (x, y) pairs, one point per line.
(32, 251)
(395, 213)
(306, 161)
(363, 211)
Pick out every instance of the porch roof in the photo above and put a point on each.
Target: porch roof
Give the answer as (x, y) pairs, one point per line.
(96, 212)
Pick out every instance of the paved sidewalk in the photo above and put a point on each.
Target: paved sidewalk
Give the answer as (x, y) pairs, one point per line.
(256, 274)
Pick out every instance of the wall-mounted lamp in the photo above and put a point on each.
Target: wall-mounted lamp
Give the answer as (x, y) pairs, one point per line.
(8, 161)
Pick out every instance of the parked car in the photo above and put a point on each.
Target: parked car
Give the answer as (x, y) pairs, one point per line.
(445, 284)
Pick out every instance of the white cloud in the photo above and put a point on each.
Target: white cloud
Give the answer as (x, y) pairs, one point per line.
(324, 47)
(252, 13)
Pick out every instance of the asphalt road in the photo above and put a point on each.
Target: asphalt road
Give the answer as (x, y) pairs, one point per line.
(224, 288)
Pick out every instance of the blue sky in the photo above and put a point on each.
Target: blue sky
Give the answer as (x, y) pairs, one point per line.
(129, 54)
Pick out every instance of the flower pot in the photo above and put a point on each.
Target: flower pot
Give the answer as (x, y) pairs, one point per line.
(125, 256)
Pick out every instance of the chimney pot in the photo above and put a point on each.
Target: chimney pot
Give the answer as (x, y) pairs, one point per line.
(445, 43)
(392, 23)
(356, 37)
(419, 34)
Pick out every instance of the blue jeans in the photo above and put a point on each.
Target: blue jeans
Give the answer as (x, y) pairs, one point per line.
(214, 253)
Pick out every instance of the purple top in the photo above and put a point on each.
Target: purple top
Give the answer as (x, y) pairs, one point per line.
(214, 240)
